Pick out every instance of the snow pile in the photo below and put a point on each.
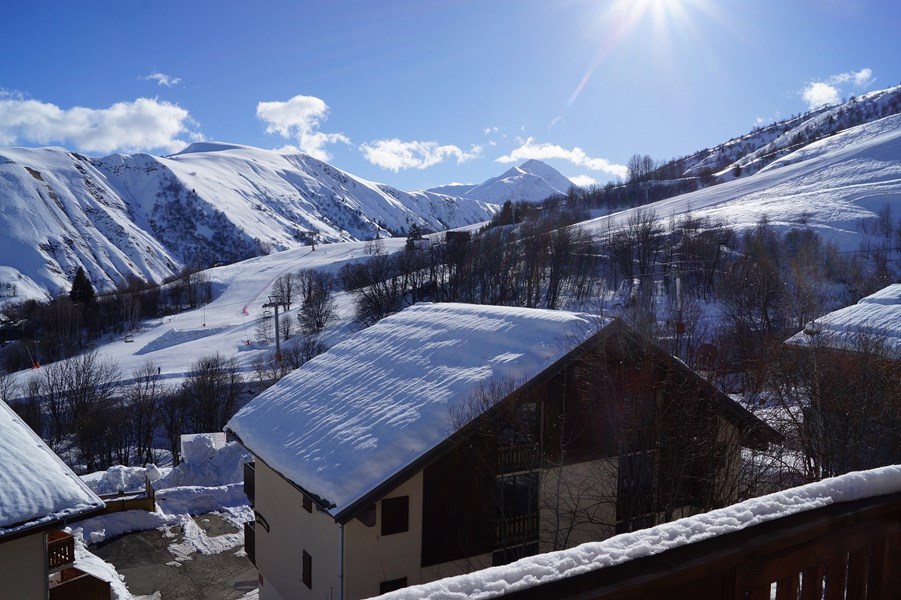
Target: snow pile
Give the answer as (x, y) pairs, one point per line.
(544, 568)
(351, 418)
(112, 525)
(205, 464)
(878, 315)
(118, 479)
(36, 487)
(99, 568)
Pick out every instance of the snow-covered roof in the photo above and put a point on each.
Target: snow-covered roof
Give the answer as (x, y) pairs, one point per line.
(545, 568)
(36, 487)
(350, 419)
(877, 315)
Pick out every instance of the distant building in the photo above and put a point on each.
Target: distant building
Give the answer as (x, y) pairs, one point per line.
(877, 316)
(452, 437)
(39, 495)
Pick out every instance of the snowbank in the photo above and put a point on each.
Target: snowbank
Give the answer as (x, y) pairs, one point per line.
(544, 568)
(209, 479)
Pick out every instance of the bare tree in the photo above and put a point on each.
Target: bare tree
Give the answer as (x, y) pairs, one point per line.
(173, 419)
(284, 289)
(840, 410)
(211, 392)
(143, 398)
(317, 301)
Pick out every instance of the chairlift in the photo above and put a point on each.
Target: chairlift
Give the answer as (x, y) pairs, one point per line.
(267, 313)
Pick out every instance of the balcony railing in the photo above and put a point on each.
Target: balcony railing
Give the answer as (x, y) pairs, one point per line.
(250, 546)
(514, 531)
(250, 481)
(74, 584)
(847, 550)
(517, 457)
(60, 550)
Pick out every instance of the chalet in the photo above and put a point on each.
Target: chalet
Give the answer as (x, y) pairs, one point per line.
(846, 366)
(452, 437)
(877, 316)
(39, 495)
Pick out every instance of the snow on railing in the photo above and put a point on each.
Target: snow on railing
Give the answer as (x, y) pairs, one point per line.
(853, 522)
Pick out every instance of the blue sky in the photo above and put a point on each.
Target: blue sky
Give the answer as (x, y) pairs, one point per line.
(422, 93)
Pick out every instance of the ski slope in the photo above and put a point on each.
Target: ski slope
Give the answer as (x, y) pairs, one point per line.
(828, 186)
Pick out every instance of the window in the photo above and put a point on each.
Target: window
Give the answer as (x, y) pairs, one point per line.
(307, 504)
(395, 515)
(307, 570)
(392, 584)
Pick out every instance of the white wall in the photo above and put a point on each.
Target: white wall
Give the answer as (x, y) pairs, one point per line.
(372, 558)
(279, 552)
(23, 569)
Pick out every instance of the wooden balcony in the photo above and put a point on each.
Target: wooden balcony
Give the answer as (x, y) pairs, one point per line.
(74, 584)
(514, 531)
(250, 481)
(250, 546)
(843, 551)
(60, 551)
(517, 457)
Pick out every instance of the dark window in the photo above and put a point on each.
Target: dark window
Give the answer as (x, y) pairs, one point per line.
(307, 504)
(307, 570)
(517, 495)
(395, 515)
(392, 584)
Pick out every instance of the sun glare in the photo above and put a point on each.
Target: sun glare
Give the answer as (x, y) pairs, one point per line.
(670, 19)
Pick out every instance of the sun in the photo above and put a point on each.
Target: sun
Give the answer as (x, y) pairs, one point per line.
(671, 20)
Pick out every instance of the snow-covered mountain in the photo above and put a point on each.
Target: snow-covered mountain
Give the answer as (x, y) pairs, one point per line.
(753, 151)
(147, 217)
(532, 181)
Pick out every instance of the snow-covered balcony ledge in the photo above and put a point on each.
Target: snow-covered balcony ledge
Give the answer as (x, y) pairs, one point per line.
(840, 536)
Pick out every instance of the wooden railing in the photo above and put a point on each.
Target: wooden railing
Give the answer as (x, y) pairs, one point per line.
(75, 584)
(123, 501)
(60, 550)
(517, 457)
(847, 551)
(250, 481)
(513, 531)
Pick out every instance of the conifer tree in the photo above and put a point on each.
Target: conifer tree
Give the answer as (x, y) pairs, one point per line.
(82, 290)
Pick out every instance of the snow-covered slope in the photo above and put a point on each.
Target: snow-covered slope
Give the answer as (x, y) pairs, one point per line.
(747, 154)
(532, 181)
(145, 216)
(831, 186)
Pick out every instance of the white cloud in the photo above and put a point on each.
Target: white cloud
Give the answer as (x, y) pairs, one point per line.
(583, 180)
(143, 125)
(819, 94)
(162, 79)
(554, 122)
(822, 93)
(300, 118)
(490, 130)
(395, 154)
(528, 149)
(861, 78)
